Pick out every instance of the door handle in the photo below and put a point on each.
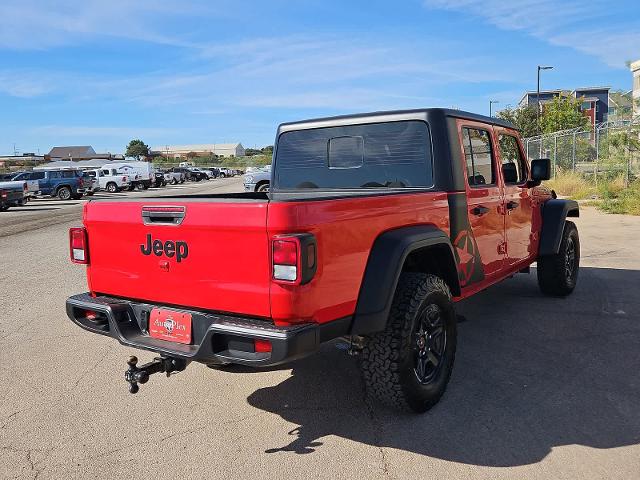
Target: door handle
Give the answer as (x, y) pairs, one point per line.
(511, 205)
(479, 210)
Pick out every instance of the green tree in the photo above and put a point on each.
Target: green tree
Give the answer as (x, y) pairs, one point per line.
(562, 113)
(524, 118)
(137, 149)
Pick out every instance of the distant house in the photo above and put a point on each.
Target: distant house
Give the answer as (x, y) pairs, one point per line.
(72, 153)
(594, 100)
(81, 152)
(220, 149)
(635, 68)
(620, 105)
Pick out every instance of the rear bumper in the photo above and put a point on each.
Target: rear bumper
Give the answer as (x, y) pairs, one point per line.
(217, 339)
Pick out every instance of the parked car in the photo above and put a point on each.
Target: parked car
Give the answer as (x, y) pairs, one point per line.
(12, 194)
(91, 184)
(110, 179)
(173, 177)
(33, 186)
(159, 181)
(226, 172)
(212, 172)
(257, 181)
(197, 174)
(64, 184)
(371, 235)
(184, 171)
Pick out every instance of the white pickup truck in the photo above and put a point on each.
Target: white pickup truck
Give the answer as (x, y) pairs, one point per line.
(33, 186)
(110, 179)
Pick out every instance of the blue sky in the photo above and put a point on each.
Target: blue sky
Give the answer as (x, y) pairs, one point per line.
(185, 71)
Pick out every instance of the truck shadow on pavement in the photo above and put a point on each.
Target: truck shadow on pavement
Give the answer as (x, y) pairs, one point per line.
(532, 373)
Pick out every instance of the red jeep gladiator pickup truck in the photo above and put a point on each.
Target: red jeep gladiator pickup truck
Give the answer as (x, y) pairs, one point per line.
(374, 226)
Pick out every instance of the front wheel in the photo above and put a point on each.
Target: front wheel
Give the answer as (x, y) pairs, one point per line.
(408, 365)
(64, 193)
(558, 273)
(263, 188)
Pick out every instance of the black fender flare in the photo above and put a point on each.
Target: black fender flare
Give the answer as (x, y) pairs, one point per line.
(384, 266)
(554, 214)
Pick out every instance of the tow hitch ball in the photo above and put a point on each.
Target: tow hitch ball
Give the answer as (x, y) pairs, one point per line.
(138, 375)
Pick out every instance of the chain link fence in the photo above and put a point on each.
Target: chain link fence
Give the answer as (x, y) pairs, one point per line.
(609, 150)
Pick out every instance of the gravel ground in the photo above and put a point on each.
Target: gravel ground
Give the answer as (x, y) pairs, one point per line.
(542, 388)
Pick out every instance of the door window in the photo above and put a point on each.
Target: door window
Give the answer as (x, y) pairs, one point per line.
(514, 170)
(37, 176)
(478, 156)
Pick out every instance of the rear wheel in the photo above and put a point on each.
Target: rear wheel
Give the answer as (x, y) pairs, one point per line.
(408, 365)
(64, 193)
(4, 208)
(558, 273)
(174, 181)
(112, 187)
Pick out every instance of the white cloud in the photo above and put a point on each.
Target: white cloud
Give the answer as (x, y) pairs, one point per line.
(287, 72)
(22, 84)
(42, 24)
(569, 24)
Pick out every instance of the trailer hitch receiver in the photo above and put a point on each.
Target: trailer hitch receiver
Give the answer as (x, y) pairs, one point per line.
(138, 375)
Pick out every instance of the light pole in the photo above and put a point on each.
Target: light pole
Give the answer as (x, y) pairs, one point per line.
(540, 67)
(491, 102)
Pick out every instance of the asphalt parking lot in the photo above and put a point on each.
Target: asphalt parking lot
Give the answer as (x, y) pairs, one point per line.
(542, 388)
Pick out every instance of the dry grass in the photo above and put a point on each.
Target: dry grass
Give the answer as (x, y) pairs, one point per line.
(571, 184)
(612, 196)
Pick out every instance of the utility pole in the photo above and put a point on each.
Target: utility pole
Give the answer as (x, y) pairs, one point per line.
(540, 67)
(491, 102)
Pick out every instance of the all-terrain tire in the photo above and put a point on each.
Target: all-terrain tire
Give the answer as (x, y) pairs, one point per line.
(64, 193)
(558, 273)
(390, 359)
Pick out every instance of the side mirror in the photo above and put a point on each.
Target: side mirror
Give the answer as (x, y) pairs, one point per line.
(540, 170)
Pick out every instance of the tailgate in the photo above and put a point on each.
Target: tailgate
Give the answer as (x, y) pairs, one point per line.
(214, 255)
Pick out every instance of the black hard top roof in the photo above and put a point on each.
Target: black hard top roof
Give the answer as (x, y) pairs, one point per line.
(392, 115)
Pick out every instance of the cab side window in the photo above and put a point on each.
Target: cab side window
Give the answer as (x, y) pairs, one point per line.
(36, 176)
(478, 156)
(514, 167)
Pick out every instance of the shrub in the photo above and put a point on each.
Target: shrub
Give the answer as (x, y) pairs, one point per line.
(571, 184)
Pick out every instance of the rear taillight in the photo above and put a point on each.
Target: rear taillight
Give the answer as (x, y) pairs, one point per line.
(78, 245)
(25, 187)
(294, 258)
(261, 346)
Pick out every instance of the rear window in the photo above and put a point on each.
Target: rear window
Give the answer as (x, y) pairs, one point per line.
(376, 155)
